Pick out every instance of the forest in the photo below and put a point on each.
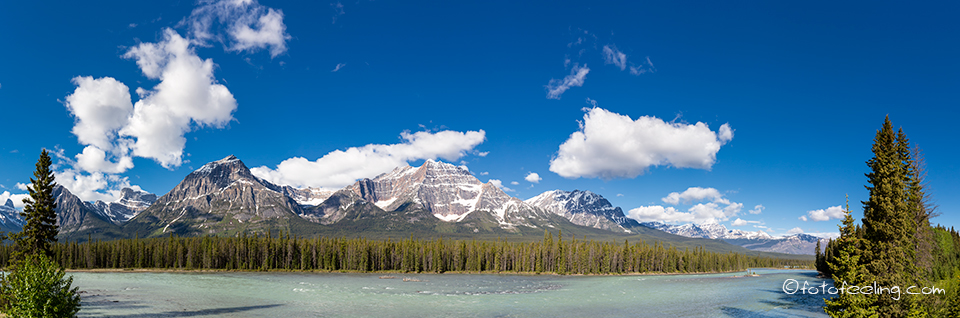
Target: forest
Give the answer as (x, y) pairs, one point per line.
(282, 252)
(895, 244)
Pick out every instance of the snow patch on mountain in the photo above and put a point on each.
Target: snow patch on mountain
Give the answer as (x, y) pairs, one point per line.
(583, 208)
(711, 230)
(130, 203)
(10, 216)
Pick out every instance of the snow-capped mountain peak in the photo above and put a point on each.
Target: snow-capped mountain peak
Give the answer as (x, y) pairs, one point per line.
(582, 208)
(210, 166)
(9, 216)
(711, 230)
(448, 192)
(130, 203)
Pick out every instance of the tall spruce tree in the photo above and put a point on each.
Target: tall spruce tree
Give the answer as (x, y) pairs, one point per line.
(39, 212)
(889, 221)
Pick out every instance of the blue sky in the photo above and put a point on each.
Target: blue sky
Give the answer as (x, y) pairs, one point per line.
(498, 87)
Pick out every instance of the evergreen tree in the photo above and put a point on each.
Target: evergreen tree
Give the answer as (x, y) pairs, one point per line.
(39, 212)
(848, 271)
(889, 221)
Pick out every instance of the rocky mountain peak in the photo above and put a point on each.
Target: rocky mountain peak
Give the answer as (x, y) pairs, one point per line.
(583, 208)
(130, 203)
(131, 196)
(10, 219)
(448, 192)
(223, 171)
(222, 195)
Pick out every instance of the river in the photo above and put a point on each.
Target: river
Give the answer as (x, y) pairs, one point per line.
(272, 294)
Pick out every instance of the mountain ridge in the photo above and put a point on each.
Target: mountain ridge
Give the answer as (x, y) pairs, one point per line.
(223, 197)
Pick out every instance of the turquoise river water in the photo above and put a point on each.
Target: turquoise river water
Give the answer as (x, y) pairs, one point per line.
(239, 294)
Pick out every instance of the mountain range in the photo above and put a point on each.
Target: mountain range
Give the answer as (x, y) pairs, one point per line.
(753, 240)
(223, 197)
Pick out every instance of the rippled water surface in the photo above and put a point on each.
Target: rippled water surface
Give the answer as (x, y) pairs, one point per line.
(139, 294)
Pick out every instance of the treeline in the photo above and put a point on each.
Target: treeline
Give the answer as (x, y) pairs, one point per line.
(941, 264)
(551, 255)
(895, 245)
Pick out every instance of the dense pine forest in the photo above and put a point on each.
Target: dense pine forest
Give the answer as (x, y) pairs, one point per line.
(895, 245)
(551, 255)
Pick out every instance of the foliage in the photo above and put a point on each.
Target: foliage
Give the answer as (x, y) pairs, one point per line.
(39, 212)
(848, 270)
(896, 246)
(283, 252)
(37, 288)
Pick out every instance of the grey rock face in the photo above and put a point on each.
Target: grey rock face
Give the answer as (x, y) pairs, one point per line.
(448, 192)
(307, 196)
(220, 196)
(10, 219)
(74, 214)
(583, 208)
(793, 244)
(131, 203)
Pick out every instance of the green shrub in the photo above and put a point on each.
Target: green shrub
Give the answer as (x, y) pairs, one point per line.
(37, 288)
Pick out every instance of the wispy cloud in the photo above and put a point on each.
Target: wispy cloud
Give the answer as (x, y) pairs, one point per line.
(611, 55)
(240, 25)
(338, 67)
(557, 87)
(646, 67)
(757, 209)
(338, 11)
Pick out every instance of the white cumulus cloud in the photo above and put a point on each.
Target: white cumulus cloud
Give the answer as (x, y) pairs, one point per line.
(93, 186)
(188, 95)
(114, 129)
(101, 107)
(757, 209)
(717, 208)
(16, 198)
(742, 222)
(834, 212)
(694, 194)
(533, 177)
(660, 213)
(500, 185)
(577, 76)
(609, 145)
(342, 167)
(21, 186)
(796, 230)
